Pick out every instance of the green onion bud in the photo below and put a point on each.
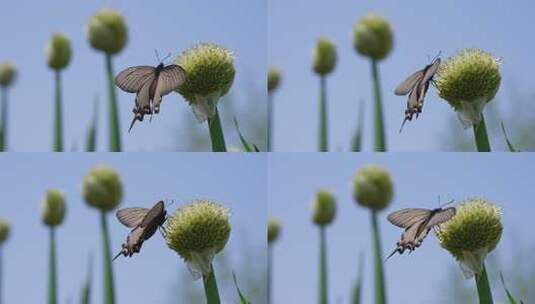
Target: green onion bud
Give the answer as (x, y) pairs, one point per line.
(471, 234)
(274, 230)
(468, 81)
(53, 207)
(373, 187)
(107, 31)
(102, 188)
(373, 37)
(324, 57)
(4, 230)
(323, 208)
(8, 74)
(274, 79)
(58, 52)
(209, 76)
(197, 232)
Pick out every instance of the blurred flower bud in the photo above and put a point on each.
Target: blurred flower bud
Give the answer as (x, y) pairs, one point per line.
(8, 73)
(274, 229)
(53, 208)
(323, 208)
(324, 57)
(102, 188)
(373, 37)
(274, 79)
(58, 52)
(4, 230)
(107, 31)
(373, 187)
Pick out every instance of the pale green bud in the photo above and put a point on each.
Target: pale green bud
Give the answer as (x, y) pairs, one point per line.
(209, 76)
(467, 81)
(8, 73)
(102, 188)
(471, 234)
(4, 230)
(197, 232)
(324, 57)
(373, 37)
(107, 31)
(373, 187)
(58, 52)
(323, 208)
(53, 208)
(274, 79)
(273, 231)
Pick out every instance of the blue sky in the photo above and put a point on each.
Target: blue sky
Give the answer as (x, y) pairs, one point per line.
(237, 181)
(419, 178)
(421, 29)
(168, 26)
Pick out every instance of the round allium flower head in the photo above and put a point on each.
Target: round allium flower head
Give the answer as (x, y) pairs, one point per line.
(209, 76)
(324, 57)
(467, 81)
(58, 52)
(53, 208)
(273, 231)
(4, 230)
(197, 232)
(373, 37)
(373, 188)
(473, 233)
(102, 188)
(274, 79)
(107, 31)
(323, 208)
(7, 73)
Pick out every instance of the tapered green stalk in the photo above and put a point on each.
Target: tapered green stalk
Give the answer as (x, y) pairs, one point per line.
(216, 133)
(323, 141)
(115, 135)
(323, 291)
(58, 118)
(109, 291)
(270, 120)
(3, 121)
(380, 288)
(91, 140)
(52, 276)
(269, 273)
(481, 137)
(210, 288)
(483, 287)
(380, 139)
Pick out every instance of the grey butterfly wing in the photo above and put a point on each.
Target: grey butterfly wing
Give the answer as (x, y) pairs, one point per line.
(427, 77)
(405, 218)
(408, 84)
(131, 217)
(152, 220)
(441, 217)
(132, 79)
(170, 78)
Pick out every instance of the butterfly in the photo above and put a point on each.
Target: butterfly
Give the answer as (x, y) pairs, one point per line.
(144, 222)
(417, 223)
(150, 84)
(416, 85)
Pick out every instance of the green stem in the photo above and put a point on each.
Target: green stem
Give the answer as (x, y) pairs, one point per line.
(52, 278)
(210, 288)
(3, 119)
(115, 135)
(269, 273)
(481, 137)
(270, 121)
(323, 292)
(380, 139)
(109, 293)
(380, 294)
(91, 140)
(483, 287)
(58, 123)
(323, 134)
(216, 133)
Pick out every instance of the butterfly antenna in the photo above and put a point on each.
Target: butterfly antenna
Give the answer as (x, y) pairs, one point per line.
(166, 57)
(157, 55)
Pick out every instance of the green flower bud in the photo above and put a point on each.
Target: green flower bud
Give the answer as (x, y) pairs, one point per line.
(475, 231)
(102, 188)
(58, 52)
(209, 76)
(324, 57)
(53, 207)
(373, 37)
(323, 208)
(467, 81)
(4, 230)
(274, 79)
(107, 31)
(373, 187)
(197, 232)
(7, 74)
(274, 229)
